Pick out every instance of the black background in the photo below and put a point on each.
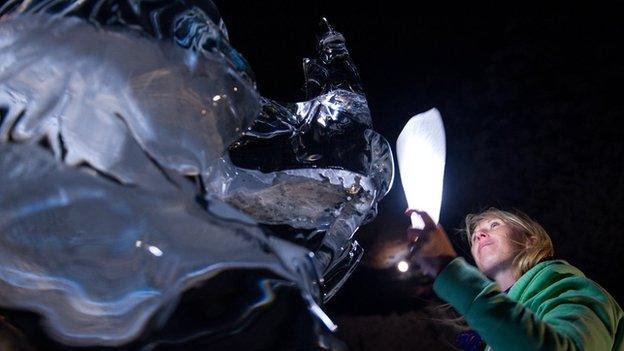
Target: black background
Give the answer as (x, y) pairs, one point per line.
(531, 98)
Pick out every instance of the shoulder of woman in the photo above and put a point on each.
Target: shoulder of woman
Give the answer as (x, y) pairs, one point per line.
(542, 276)
(554, 282)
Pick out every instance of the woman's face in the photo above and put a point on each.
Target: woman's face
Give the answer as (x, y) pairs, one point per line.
(495, 244)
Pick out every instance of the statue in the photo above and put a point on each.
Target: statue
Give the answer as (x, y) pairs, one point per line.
(139, 161)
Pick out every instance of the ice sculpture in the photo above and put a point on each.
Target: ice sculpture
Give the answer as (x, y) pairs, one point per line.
(138, 160)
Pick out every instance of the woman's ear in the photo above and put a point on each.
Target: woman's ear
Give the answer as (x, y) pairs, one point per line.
(531, 240)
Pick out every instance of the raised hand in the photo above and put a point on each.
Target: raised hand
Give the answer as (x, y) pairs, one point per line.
(430, 247)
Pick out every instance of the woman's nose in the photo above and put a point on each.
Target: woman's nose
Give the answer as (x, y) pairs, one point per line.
(480, 234)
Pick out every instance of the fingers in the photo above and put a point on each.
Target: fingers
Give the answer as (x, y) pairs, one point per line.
(417, 237)
(429, 223)
(413, 234)
(408, 211)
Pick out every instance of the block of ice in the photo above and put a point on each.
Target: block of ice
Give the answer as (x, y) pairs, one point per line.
(138, 161)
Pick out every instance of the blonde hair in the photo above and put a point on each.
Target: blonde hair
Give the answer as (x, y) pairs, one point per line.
(537, 245)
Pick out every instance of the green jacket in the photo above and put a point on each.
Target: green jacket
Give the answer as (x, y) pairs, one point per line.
(553, 306)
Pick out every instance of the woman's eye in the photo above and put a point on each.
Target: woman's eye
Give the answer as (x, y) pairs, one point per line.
(494, 224)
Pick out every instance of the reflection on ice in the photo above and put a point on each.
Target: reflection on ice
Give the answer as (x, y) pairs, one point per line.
(139, 162)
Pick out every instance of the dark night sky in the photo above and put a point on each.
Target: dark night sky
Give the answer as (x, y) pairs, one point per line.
(530, 97)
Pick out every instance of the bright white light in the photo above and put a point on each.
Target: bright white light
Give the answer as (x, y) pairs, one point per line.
(216, 98)
(403, 266)
(421, 152)
(155, 251)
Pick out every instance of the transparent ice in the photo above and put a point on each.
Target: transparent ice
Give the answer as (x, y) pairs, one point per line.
(138, 160)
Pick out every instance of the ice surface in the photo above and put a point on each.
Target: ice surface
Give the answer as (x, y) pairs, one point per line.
(138, 161)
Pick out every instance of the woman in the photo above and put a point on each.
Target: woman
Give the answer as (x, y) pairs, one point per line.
(534, 302)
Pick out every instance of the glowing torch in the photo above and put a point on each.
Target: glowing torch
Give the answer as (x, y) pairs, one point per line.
(421, 153)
